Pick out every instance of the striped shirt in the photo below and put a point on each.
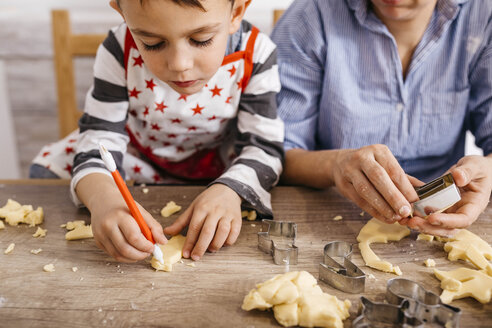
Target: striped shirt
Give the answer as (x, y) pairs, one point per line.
(343, 87)
(227, 133)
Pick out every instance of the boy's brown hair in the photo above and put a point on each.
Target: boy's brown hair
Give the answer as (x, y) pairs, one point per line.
(191, 3)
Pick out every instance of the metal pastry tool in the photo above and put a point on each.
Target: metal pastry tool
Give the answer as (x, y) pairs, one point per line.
(278, 238)
(409, 305)
(436, 196)
(346, 277)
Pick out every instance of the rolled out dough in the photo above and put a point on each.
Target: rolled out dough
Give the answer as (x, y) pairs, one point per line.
(464, 282)
(172, 253)
(78, 230)
(376, 231)
(467, 246)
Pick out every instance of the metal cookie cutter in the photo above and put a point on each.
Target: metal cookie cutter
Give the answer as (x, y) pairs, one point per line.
(409, 305)
(436, 196)
(281, 246)
(347, 276)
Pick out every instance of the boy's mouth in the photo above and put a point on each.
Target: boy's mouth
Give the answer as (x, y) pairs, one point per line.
(184, 84)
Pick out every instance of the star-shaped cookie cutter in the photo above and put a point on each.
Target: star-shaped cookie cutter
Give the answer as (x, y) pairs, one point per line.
(346, 277)
(278, 238)
(409, 305)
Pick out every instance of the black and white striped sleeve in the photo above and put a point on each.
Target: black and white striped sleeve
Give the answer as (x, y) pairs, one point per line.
(260, 133)
(105, 112)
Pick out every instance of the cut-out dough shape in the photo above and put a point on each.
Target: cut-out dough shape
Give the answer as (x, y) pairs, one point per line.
(464, 282)
(170, 209)
(40, 232)
(249, 215)
(467, 246)
(376, 231)
(297, 300)
(78, 230)
(15, 213)
(171, 253)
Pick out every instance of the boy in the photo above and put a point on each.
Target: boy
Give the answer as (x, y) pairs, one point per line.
(163, 85)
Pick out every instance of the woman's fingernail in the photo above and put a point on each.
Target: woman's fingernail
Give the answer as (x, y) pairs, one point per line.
(405, 211)
(396, 217)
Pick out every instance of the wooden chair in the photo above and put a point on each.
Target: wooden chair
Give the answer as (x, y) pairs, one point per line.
(277, 13)
(66, 47)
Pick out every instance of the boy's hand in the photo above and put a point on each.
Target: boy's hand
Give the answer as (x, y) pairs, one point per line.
(214, 219)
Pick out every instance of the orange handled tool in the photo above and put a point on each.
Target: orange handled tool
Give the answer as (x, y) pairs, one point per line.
(130, 202)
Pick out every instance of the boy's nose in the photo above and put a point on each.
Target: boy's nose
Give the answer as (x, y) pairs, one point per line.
(179, 61)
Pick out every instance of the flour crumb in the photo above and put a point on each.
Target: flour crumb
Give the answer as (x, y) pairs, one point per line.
(75, 269)
(145, 190)
(49, 267)
(9, 249)
(36, 251)
(337, 218)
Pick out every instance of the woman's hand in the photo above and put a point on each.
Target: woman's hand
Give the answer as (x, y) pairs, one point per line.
(372, 178)
(214, 219)
(473, 175)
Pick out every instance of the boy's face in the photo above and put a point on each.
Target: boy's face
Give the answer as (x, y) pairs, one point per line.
(182, 45)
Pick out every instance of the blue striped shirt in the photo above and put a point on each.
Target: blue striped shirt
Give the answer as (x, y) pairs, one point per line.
(343, 86)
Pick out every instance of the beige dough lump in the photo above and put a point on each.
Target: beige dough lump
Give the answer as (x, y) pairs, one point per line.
(423, 236)
(78, 230)
(40, 232)
(2, 226)
(376, 231)
(464, 282)
(249, 215)
(467, 246)
(15, 213)
(172, 253)
(170, 209)
(297, 300)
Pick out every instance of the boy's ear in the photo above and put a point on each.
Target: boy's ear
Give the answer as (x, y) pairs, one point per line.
(116, 7)
(237, 14)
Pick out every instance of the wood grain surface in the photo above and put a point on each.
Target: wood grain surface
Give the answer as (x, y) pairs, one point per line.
(104, 293)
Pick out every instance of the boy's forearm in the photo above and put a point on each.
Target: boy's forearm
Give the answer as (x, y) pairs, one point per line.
(94, 188)
(309, 168)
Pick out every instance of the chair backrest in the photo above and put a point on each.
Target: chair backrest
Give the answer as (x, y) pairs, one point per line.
(277, 13)
(66, 47)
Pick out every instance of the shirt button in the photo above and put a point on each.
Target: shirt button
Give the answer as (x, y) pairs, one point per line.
(399, 107)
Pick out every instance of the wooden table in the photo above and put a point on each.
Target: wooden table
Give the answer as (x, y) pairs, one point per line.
(104, 293)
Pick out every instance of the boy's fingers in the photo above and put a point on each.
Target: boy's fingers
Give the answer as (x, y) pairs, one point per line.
(157, 231)
(180, 223)
(234, 233)
(133, 235)
(126, 250)
(206, 235)
(196, 223)
(223, 229)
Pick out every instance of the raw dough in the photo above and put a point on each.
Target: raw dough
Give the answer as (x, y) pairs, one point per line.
(430, 263)
(337, 218)
(36, 251)
(467, 246)
(249, 215)
(9, 249)
(75, 269)
(423, 236)
(297, 300)
(40, 232)
(172, 253)
(78, 230)
(376, 231)
(170, 209)
(464, 282)
(2, 226)
(15, 213)
(49, 268)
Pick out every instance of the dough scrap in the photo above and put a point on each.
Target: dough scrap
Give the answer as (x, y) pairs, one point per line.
(15, 213)
(376, 231)
(464, 282)
(423, 236)
(172, 253)
(337, 218)
(430, 263)
(249, 215)
(467, 246)
(170, 208)
(36, 251)
(9, 249)
(2, 226)
(40, 232)
(297, 300)
(78, 230)
(49, 267)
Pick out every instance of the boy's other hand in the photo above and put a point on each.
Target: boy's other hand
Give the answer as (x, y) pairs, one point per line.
(117, 232)
(214, 219)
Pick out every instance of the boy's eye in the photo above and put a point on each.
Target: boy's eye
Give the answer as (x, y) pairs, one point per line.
(153, 47)
(201, 43)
